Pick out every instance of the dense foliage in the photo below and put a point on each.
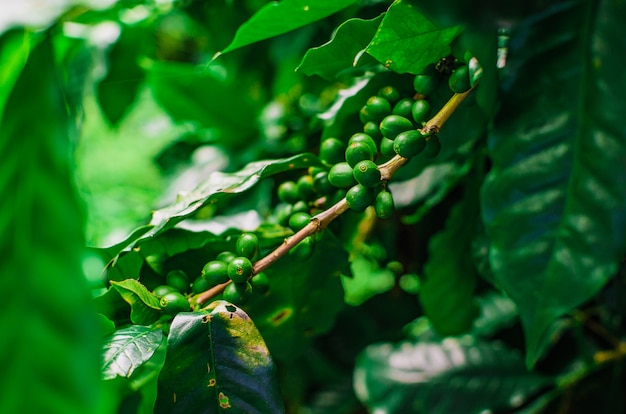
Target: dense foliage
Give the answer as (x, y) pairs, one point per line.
(382, 206)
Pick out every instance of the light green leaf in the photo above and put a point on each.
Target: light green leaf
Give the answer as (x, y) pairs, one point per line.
(554, 203)
(278, 17)
(217, 361)
(50, 343)
(368, 279)
(341, 53)
(128, 349)
(407, 41)
(144, 306)
(14, 49)
(448, 377)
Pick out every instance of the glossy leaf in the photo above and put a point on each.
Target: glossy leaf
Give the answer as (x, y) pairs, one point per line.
(49, 347)
(144, 306)
(128, 349)
(341, 53)
(554, 203)
(407, 41)
(448, 377)
(278, 17)
(496, 312)
(303, 300)
(117, 91)
(217, 361)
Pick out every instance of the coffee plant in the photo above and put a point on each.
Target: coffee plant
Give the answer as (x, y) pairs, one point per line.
(407, 207)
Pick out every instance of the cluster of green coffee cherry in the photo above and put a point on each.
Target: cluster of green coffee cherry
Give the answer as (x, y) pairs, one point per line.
(234, 266)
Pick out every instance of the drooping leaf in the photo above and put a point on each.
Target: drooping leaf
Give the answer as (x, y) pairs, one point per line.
(367, 279)
(340, 54)
(447, 295)
(303, 299)
(118, 89)
(407, 41)
(50, 344)
(128, 349)
(278, 17)
(554, 203)
(448, 377)
(144, 306)
(217, 362)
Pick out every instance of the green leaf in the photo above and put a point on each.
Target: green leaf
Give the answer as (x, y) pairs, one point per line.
(341, 53)
(125, 266)
(213, 97)
(50, 342)
(128, 349)
(407, 41)
(554, 203)
(144, 306)
(217, 360)
(14, 49)
(496, 312)
(368, 279)
(278, 17)
(117, 91)
(303, 300)
(447, 295)
(448, 377)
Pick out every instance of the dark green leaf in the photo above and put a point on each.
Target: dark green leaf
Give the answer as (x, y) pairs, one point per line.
(448, 377)
(303, 300)
(125, 266)
(14, 49)
(144, 306)
(49, 347)
(496, 312)
(278, 17)
(407, 41)
(341, 53)
(554, 202)
(117, 91)
(217, 360)
(128, 349)
(447, 295)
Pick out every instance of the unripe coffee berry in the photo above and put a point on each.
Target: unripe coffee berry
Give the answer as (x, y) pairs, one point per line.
(240, 269)
(366, 173)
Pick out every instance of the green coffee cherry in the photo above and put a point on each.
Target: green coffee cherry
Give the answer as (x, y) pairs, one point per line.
(337, 195)
(433, 147)
(237, 293)
(409, 143)
(304, 249)
(396, 267)
(298, 221)
(216, 272)
(340, 175)
(358, 151)
(332, 151)
(392, 125)
(162, 290)
(260, 283)
(288, 192)
(282, 212)
(226, 256)
(178, 280)
(364, 138)
(377, 108)
(321, 184)
(200, 285)
(174, 302)
(459, 80)
(299, 207)
(372, 129)
(389, 93)
(383, 205)
(420, 111)
(240, 269)
(360, 197)
(425, 84)
(365, 116)
(386, 147)
(247, 245)
(366, 173)
(305, 188)
(403, 107)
